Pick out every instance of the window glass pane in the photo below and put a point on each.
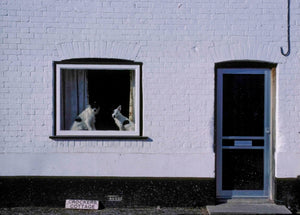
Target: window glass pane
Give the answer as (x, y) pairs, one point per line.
(109, 89)
(243, 169)
(243, 105)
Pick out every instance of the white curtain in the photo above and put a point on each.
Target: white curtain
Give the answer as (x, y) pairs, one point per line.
(132, 97)
(74, 95)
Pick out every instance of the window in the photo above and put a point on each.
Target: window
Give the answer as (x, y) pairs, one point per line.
(97, 98)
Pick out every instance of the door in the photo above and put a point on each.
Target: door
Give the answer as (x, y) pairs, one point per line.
(243, 133)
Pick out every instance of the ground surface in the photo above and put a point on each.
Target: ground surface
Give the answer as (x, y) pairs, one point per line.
(107, 211)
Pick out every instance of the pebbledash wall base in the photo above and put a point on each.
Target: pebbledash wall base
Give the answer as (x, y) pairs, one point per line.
(126, 192)
(110, 192)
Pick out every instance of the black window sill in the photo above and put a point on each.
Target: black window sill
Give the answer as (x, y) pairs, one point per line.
(61, 137)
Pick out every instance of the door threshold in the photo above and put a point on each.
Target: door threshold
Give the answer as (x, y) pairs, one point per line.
(256, 200)
(245, 200)
(247, 208)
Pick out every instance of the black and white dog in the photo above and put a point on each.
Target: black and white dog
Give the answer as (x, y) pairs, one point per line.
(87, 118)
(121, 121)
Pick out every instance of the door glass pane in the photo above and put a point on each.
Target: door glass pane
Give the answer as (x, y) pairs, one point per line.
(243, 105)
(243, 169)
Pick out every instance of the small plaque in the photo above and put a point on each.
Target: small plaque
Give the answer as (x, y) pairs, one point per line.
(82, 204)
(243, 143)
(114, 198)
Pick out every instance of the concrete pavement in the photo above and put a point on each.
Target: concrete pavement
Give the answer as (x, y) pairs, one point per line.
(106, 211)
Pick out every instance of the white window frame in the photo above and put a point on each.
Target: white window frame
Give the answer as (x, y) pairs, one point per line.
(136, 67)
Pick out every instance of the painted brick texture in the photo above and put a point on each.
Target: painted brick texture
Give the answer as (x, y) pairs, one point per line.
(178, 42)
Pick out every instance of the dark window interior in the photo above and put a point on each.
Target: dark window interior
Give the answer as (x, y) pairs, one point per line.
(109, 88)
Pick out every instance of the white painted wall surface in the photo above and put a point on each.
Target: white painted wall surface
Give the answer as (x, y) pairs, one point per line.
(179, 42)
(109, 164)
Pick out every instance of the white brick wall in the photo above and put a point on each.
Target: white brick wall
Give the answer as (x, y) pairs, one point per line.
(178, 41)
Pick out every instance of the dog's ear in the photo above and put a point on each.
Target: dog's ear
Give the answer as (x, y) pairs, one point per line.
(119, 108)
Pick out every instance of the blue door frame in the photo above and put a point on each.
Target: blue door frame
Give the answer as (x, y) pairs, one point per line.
(243, 142)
